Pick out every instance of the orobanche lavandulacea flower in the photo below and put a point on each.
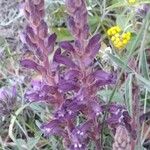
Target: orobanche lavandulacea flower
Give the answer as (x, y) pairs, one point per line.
(69, 79)
(143, 9)
(7, 100)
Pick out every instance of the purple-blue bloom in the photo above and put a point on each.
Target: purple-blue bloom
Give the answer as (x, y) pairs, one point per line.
(69, 79)
(118, 115)
(143, 9)
(7, 100)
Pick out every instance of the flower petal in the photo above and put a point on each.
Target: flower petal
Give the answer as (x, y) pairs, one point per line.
(93, 45)
(51, 40)
(54, 127)
(63, 59)
(66, 85)
(43, 29)
(67, 46)
(28, 63)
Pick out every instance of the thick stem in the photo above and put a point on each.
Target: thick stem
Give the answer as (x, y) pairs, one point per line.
(136, 114)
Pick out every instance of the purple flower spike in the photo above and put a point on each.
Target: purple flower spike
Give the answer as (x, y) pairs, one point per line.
(70, 81)
(143, 9)
(7, 100)
(120, 116)
(77, 21)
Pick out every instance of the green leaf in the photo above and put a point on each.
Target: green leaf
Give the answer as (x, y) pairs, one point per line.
(116, 5)
(36, 107)
(13, 120)
(105, 94)
(128, 93)
(119, 62)
(122, 21)
(144, 66)
(144, 1)
(31, 142)
(123, 3)
(93, 22)
(62, 34)
(145, 82)
(21, 144)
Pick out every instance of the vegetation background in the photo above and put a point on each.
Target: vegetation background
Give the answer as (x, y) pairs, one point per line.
(19, 129)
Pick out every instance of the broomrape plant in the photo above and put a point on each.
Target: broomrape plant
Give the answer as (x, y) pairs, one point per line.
(70, 79)
(7, 100)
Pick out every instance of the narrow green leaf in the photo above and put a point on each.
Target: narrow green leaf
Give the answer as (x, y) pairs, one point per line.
(144, 66)
(119, 62)
(31, 142)
(145, 82)
(105, 94)
(116, 5)
(21, 144)
(128, 92)
(124, 3)
(12, 122)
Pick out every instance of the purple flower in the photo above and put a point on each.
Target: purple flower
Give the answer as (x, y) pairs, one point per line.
(7, 100)
(66, 46)
(54, 127)
(41, 92)
(143, 9)
(118, 115)
(59, 58)
(80, 136)
(69, 81)
(49, 43)
(77, 20)
(36, 36)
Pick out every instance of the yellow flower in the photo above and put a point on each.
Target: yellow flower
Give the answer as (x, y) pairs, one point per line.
(125, 42)
(118, 29)
(129, 33)
(109, 32)
(128, 37)
(124, 35)
(120, 44)
(117, 35)
(131, 1)
(113, 30)
(113, 38)
(119, 39)
(115, 42)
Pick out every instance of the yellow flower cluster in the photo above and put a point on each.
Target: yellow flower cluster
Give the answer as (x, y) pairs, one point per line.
(118, 38)
(131, 1)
